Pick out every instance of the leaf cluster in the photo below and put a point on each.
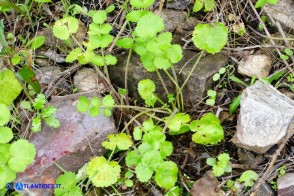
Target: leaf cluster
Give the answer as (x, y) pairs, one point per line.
(41, 113)
(220, 165)
(92, 106)
(149, 157)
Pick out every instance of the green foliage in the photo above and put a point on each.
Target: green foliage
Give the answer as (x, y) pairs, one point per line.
(10, 88)
(41, 113)
(103, 173)
(208, 130)
(248, 177)
(141, 3)
(94, 106)
(146, 90)
(178, 123)
(287, 53)
(210, 37)
(6, 135)
(261, 3)
(209, 5)
(149, 157)
(4, 115)
(220, 165)
(35, 43)
(235, 104)
(212, 96)
(68, 182)
(14, 158)
(122, 141)
(64, 27)
(29, 76)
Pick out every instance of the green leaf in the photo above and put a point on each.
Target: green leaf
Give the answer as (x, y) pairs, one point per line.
(143, 172)
(235, 104)
(110, 60)
(83, 104)
(141, 3)
(174, 53)
(261, 3)
(151, 159)
(121, 140)
(97, 41)
(100, 29)
(53, 122)
(153, 22)
(10, 88)
(217, 170)
(103, 173)
(175, 191)
(68, 186)
(107, 112)
(148, 125)
(98, 60)
(4, 114)
(211, 161)
(136, 15)
(211, 93)
(210, 101)
(146, 88)
(209, 5)
(108, 101)
(129, 183)
(15, 59)
(248, 177)
(73, 55)
(208, 130)
(237, 80)
(63, 28)
(36, 124)
(6, 135)
(137, 134)
(22, 154)
(166, 174)
(288, 52)
(177, 121)
(49, 111)
(35, 43)
(100, 17)
(95, 107)
(132, 158)
(39, 102)
(125, 42)
(110, 9)
(26, 105)
(6, 175)
(222, 70)
(166, 149)
(198, 5)
(216, 77)
(210, 37)
(154, 139)
(29, 76)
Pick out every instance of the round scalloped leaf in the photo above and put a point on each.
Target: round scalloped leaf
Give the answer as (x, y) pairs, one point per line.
(100, 17)
(166, 174)
(4, 114)
(136, 15)
(121, 140)
(68, 183)
(4, 153)
(208, 130)
(10, 87)
(210, 37)
(103, 173)
(149, 25)
(146, 88)
(6, 175)
(5, 134)
(22, 154)
(63, 28)
(141, 3)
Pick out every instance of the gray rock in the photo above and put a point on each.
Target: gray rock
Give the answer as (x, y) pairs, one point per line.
(172, 18)
(86, 79)
(178, 4)
(283, 12)
(70, 146)
(194, 90)
(185, 30)
(46, 74)
(265, 190)
(265, 118)
(286, 185)
(259, 65)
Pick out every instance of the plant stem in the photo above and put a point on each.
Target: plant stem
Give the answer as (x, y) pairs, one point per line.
(126, 74)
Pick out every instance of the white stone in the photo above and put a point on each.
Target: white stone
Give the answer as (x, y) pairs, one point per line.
(259, 65)
(265, 118)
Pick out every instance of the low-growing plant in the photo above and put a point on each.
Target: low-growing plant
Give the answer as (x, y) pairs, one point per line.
(261, 3)
(287, 53)
(41, 113)
(220, 165)
(248, 177)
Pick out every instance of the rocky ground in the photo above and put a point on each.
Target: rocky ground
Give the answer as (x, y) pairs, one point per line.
(258, 135)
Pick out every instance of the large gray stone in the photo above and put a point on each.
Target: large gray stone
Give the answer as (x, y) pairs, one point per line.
(193, 91)
(172, 18)
(283, 11)
(70, 146)
(286, 185)
(264, 119)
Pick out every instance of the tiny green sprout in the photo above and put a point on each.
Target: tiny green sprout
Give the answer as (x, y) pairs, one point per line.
(208, 130)
(288, 52)
(248, 177)
(261, 3)
(212, 96)
(260, 26)
(220, 165)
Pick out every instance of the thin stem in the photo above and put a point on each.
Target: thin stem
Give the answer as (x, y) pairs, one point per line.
(126, 74)
(162, 82)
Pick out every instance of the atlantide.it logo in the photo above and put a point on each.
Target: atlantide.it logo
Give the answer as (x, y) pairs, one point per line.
(20, 186)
